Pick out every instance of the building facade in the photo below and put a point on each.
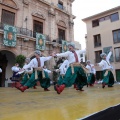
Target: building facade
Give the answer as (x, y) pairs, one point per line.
(103, 33)
(51, 18)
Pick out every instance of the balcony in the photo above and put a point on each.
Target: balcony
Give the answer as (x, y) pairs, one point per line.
(97, 44)
(26, 32)
(61, 7)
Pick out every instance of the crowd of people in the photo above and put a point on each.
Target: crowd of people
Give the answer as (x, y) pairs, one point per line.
(70, 72)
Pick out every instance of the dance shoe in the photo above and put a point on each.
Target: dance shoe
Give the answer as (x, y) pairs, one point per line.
(46, 89)
(60, 88)
(23, 88)
(103, 85)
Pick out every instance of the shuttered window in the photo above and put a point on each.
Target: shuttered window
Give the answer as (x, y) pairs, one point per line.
(61, 34)
(8, 17)
(38, 26)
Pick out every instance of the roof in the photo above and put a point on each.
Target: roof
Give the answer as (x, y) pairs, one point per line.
(102, 13)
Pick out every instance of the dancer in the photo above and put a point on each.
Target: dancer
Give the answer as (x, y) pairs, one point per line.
(16, 77)
(62, 69)
(38, 73)
(108, 78)
(75, 69)
(92, 73)
(27, 74)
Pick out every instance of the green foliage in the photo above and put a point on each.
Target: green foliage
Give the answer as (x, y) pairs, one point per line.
(20, 59)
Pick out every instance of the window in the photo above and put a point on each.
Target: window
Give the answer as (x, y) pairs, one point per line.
(116, 36)
(60, 5)
(117, 54)
(101, 19)
(8, 17)
(97, 40)
(114, 17)
(97, 56)
(95, 23)
(61, 35)
(81, 55)
(107, 17)
(37, 27)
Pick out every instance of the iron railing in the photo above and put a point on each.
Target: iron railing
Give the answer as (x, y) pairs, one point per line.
(25, 31)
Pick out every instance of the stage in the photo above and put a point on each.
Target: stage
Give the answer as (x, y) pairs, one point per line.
(35, 104)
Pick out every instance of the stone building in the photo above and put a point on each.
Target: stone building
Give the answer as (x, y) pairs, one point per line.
(103, 33)
(51, 18)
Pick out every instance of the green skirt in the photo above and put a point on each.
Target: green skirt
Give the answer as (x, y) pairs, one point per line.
(25, 78)
(108, 78)
(44, 82)
(90, 78)
(78, 77)
(60, 79)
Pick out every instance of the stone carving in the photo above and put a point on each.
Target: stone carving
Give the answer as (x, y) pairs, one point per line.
(25, 2)
(38, 14)
(61, 23)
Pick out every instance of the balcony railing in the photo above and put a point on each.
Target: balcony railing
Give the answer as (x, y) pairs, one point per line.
(61, 7)
(24, 31)
(97, 44)
(1, 26)
(57, 40)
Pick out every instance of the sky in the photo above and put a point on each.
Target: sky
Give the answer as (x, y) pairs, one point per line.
(85, 8)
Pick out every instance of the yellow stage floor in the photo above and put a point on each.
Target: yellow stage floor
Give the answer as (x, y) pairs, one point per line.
(35, 104)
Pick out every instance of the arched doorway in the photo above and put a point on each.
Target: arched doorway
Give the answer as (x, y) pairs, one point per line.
(7, 60)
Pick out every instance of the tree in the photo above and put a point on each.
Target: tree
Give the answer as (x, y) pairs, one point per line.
(20, 59)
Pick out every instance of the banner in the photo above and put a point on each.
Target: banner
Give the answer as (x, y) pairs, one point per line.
(40, 41)
(64, 46)
(9, 36)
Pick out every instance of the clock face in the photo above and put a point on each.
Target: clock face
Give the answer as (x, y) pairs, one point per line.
(41, 42)
(10, 36)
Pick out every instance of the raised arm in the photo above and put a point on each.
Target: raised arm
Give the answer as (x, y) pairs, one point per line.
(82, 51)
(47, 58)
(109, 55)
(29, 65)
(65, 54)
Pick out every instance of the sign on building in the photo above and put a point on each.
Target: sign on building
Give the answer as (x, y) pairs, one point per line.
(64, 46)
(40, 41)
(9, 36)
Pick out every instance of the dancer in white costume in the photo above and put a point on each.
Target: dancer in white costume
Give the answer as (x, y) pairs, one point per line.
(92, 73)
(108, 78)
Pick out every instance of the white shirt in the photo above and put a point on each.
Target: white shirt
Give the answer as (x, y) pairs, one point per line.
(15, 69)
(63, 68)
(91, 68)
(70, 55)
(46, 70)
(0, 70)
(34, 63)
(29, 70)
(105, 64)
